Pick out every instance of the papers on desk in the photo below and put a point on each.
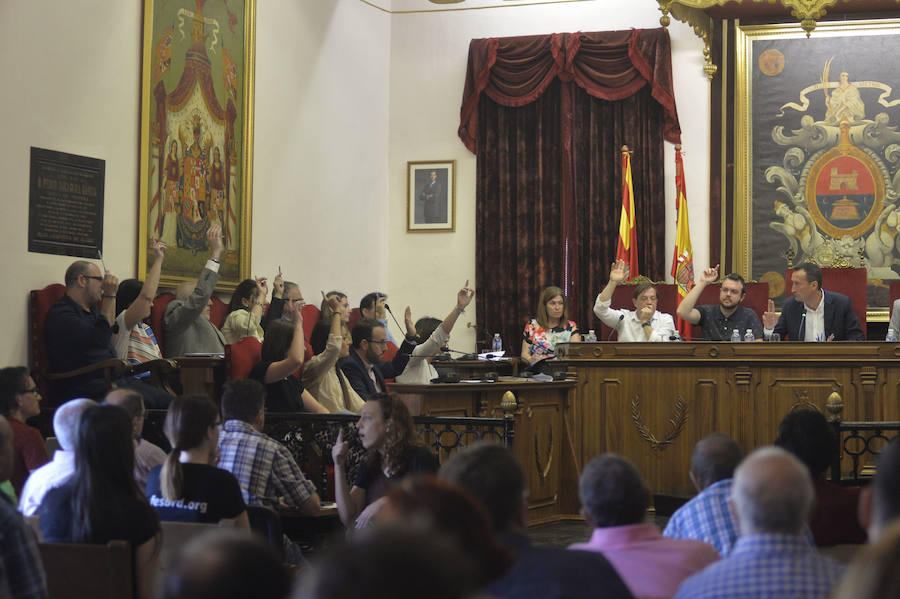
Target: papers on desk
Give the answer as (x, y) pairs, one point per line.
(492, 355)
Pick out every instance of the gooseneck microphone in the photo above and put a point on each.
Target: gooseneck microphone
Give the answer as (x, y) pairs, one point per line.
(802, 326)
(615, 328)
(388, 308)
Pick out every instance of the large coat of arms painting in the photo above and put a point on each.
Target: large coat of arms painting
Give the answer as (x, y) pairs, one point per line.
(196, 134)
(818, 154)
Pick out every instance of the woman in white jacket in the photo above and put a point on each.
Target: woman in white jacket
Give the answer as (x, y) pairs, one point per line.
(419, 370)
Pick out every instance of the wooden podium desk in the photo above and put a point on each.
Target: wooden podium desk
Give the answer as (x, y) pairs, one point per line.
(651, 402)
(543, 439)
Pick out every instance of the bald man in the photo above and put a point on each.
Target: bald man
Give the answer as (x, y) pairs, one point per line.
(773, 494)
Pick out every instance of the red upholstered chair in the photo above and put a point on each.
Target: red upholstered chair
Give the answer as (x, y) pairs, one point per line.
(310, 316)
(756, 298)
(40, 302)
(389, 352)
(895, 295)
(851, 282)
(355, 315)
(157, 311)
(241, 357)
(218, 312)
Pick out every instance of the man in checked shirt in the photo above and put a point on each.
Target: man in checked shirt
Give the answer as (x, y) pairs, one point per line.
(264, 468)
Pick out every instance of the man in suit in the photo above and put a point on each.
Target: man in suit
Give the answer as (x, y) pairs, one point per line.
(363, 367)
(813, 314)
(186, 322)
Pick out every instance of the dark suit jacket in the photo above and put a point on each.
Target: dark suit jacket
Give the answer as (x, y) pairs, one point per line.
(552, 573)
(840, 319)
(358, 377)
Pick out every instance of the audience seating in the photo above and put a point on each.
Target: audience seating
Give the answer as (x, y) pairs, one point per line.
(355, 315)
(79, 571)
(310, 316)
(390, 351)
(241, 357)
(852, 282)
(217, 314)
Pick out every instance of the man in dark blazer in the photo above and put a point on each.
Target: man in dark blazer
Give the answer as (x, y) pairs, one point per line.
(363, 367)
(186, 321)
(813, 314)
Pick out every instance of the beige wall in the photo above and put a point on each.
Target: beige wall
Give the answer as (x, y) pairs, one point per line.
(346, 93)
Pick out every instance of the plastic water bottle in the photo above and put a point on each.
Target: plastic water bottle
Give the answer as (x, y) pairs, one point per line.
(591, 336)
(748, 335)
(735, 335)
(497, 345)
(891, 335)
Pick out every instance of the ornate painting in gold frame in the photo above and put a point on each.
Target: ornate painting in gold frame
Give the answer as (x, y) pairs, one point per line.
(817, 151)
(197, 134)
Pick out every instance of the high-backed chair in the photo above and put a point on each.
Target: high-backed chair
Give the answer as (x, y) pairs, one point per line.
(310, 316)
(355, 315)
(852, 282)
(81, 570)
(157, 311)
(895, 295)
(40, 302)
(218, 312)
(241, 357)
(390, 351)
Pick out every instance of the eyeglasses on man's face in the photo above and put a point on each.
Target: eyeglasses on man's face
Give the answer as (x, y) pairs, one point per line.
(382, 342)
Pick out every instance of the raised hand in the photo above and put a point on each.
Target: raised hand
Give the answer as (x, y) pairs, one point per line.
(158, 247)
(340, 448)
(618, 272)
(262, 287)
(464, 297)
(333, 302)
(110, 284)
(410, 325)
(710, 275)
(770, 319)
(214, 241)
(278, 285)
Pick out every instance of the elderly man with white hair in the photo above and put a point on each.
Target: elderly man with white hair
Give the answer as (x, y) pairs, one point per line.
(772, 495)
(61, 467)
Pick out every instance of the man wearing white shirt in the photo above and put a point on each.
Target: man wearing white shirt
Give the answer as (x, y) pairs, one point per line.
(644, 323)
(813, 314)
(61, 467)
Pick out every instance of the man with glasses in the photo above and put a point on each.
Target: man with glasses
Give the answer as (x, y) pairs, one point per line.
(364, 368)
(79, 334)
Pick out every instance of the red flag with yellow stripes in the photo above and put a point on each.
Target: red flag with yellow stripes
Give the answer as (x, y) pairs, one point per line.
(627, 248)
(683, 258)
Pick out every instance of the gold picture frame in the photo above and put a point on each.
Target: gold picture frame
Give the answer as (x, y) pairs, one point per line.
(196, 155)
(811, 182)
(431, 196)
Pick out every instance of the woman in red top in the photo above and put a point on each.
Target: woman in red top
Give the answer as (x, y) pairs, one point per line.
(19, 401)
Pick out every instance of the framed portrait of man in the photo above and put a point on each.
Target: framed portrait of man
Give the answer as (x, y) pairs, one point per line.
(431, 196)
(197, 135)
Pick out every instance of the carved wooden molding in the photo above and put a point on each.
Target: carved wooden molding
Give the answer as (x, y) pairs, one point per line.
(543, 470)
(676, 423)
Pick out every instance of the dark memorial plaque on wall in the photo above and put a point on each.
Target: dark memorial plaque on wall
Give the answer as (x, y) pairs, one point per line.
(65, 204)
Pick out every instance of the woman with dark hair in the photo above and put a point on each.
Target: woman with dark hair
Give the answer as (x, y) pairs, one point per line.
(188, 487)
(433, 334)
(132, 337)
(321, 375)
(101, 501)
(19, 401)
(387, 433)
(453, 514)
(282, 356)
(245, 311)
(551, 326)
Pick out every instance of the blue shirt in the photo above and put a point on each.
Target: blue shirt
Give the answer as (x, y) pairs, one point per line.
(766, 566)
(706, 518)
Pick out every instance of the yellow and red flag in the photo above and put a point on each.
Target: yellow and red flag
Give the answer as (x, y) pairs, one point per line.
(683, 259)
(627, 248)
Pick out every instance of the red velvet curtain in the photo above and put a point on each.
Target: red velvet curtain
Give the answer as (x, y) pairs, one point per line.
(545, 116)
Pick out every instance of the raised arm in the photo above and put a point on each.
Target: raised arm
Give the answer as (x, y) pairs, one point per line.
(349, 500)
(108, 304)
(294, 358)
(183, 313)
(686, 308)
(463, 299)
(140, 307)
(602, 310)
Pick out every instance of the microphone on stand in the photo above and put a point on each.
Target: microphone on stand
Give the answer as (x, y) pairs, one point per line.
(802, 328)
(388, 308)
(621, 317)
(464, 356)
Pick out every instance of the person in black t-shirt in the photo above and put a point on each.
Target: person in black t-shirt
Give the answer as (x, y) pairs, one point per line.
(386, 431)
(101, 501)
(188, 487)
(282, 355)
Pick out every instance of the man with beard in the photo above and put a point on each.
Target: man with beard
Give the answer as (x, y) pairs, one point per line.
(718, 322)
